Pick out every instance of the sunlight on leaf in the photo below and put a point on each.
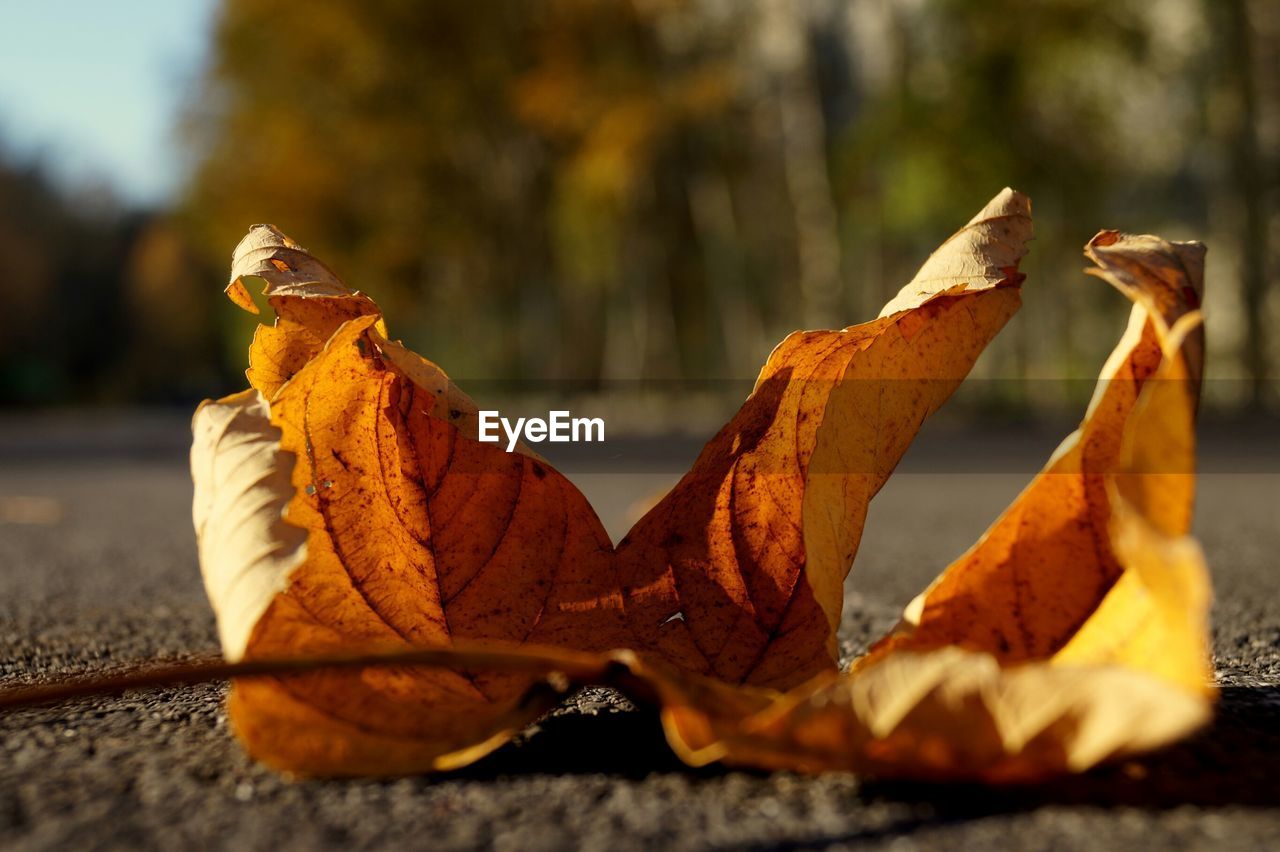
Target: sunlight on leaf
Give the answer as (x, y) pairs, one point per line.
(1072, 632)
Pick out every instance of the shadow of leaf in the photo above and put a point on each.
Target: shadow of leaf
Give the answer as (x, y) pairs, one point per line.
(1232, 762)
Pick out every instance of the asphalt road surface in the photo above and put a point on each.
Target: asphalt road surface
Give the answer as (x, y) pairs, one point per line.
(98, 568)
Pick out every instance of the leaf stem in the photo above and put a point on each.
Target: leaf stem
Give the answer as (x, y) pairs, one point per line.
(578, 667)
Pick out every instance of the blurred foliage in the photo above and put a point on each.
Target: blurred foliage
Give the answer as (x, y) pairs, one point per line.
(600, 190)
(98, 306)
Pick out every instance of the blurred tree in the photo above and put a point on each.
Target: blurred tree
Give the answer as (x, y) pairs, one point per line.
(1082, 104)
(27, 208)
(600, 189)
(603, 190)
(104, 304)
(515, 183)
(171, 349)
(1250, 182)
(60, 258)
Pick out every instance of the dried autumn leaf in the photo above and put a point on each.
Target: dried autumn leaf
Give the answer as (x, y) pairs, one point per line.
(1073, 632)
(752, 547)
(420, 535)
(246, 555)
(309, 300)
(1010, 595)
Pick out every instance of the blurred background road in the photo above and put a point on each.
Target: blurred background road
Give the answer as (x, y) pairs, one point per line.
(99, 569)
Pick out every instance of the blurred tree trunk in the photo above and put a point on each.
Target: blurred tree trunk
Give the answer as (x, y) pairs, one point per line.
(741, 325)
(804, 150)
(1265, 20)
(1250, 186)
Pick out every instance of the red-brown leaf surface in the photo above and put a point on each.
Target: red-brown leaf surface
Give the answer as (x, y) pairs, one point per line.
(722, 603)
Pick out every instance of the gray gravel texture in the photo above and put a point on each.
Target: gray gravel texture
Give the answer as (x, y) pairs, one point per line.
(114, 579)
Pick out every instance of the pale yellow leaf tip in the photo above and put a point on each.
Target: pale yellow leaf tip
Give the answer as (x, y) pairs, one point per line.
(983, 254)
(287, 268)
(242, 486)
(1164, 276)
